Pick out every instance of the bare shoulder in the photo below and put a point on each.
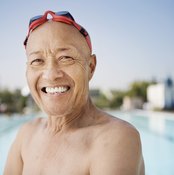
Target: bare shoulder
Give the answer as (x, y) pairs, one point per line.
(117, 128)
(14, 163)
(25, 131)
(31, 126)
(118, 146)
(122, 129)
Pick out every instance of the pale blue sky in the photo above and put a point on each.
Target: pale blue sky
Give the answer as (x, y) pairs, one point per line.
(133, 39)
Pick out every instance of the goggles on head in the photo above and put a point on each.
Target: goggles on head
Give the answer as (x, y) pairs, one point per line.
(62, 16)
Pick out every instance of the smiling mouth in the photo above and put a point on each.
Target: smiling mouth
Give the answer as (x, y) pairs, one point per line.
(55, 90)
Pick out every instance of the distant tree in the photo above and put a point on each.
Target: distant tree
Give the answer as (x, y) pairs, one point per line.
(14, 100)
(19, 101)
(139, 89)
(6, 97)
(102, 101)
(117, 99)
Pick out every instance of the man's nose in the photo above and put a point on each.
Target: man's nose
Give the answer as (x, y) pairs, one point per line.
(52, 72)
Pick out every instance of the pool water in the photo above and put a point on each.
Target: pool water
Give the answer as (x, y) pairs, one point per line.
(156, 130)
(157, 136)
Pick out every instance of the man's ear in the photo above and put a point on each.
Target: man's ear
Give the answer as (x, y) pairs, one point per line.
(92, 65)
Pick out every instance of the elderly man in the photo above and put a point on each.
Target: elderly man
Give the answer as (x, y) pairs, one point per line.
(76, 138)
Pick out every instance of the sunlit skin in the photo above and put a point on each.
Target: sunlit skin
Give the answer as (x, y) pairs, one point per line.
(55, 63)
(76, 138)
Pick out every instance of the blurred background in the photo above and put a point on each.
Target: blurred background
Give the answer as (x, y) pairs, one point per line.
(134, 44)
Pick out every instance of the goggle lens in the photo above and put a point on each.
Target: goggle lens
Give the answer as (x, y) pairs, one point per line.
(65, 14)
(34, 19)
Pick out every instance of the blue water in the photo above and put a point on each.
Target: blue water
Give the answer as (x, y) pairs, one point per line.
(156, 130)
(157, 136)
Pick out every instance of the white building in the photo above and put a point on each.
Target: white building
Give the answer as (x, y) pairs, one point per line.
(130, 103)
(161, 96)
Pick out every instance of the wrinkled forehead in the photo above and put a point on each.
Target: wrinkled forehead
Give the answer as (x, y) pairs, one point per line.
(54, 35)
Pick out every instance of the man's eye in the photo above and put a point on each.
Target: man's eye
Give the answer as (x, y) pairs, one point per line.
(66, 60)
(36, 62)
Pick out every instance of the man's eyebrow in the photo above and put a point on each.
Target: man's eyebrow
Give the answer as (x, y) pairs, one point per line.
(34, 53)
(65, 49)
(57, 50)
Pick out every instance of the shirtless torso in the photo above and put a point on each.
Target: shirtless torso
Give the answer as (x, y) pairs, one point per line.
(91, 150)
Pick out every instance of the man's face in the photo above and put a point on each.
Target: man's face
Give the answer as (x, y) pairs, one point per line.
(59, 68)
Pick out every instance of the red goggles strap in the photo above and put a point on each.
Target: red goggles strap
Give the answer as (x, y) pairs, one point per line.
(57, 18)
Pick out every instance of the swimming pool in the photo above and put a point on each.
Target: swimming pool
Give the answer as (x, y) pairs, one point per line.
(156, 130)
(157, 136)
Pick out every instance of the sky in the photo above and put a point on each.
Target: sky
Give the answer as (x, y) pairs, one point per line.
(132, 39)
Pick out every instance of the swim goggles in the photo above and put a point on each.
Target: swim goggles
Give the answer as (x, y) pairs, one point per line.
(62, 16)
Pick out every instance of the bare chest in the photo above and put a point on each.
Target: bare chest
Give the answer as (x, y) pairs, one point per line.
(57, 157)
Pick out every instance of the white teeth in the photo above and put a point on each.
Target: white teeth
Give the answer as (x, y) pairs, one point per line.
(52, 90)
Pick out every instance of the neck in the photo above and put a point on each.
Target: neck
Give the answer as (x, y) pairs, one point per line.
(80, 118)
